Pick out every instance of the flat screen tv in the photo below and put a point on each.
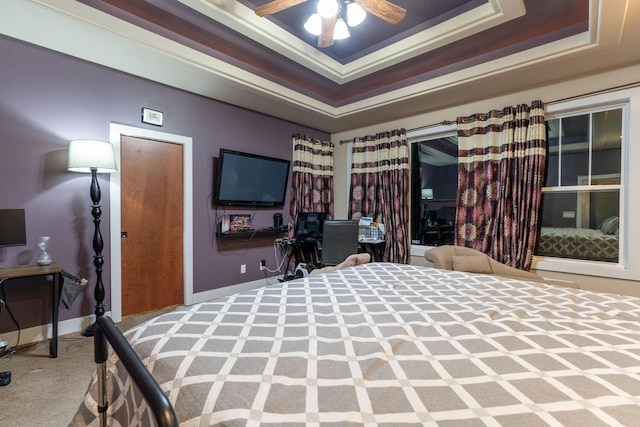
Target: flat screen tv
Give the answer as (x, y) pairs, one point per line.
(12, 228)
(245, 179)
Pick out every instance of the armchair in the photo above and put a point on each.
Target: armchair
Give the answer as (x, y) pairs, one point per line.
(461, 258)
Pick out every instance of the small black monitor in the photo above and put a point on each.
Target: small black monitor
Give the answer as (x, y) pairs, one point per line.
(12, 228)
(309, 225)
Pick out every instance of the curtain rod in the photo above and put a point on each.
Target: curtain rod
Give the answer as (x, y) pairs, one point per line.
(595, 92)
(442, 123)
(569, 98)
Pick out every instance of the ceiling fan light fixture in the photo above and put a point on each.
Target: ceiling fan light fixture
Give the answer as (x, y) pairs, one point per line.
(314, 24)
(328, 8)
(340, 31)
(355, 14)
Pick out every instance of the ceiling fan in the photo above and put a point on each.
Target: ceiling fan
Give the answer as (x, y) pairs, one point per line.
(327, 22)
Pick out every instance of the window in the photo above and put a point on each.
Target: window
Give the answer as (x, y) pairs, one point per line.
(581, 200)
(434, 174)
(592, 145)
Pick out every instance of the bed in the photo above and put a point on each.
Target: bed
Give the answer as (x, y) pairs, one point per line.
(578, 243)
(389, 344)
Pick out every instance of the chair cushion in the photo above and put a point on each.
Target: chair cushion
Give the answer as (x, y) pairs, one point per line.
(471, 264)
(472, 261)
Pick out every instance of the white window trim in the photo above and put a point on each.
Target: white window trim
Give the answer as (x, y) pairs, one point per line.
(630, 204)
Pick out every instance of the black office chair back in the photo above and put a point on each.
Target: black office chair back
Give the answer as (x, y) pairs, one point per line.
(339, 240)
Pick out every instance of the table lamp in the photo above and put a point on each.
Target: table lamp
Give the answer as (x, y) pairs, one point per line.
(94, 157)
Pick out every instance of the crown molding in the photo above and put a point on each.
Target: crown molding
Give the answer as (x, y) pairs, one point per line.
(242, 19)
(100, 38)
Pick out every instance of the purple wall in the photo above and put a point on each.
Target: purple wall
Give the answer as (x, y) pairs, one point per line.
(48, 99)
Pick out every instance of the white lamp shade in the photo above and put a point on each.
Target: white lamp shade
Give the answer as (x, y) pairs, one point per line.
(355, 14)
(314, 24)
(85, 154)
(427, 193)
(328, 8)
(340, 31)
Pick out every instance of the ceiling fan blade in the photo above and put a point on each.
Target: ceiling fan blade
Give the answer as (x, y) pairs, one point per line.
(326, 34)
(383, 9)
(275, 6)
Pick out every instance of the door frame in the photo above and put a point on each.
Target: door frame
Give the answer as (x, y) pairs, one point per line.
(116, 132)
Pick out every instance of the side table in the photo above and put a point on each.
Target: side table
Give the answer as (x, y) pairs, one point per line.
(53, 269)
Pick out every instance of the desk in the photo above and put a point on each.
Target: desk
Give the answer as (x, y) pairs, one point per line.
(53, 269)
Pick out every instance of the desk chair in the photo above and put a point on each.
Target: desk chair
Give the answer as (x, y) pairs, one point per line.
(339, 240)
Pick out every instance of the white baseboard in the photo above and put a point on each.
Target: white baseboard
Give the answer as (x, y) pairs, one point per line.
(45, 332)
(70, 326)
(230, 290)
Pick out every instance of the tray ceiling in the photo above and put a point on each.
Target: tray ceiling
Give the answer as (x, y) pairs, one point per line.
(221, 49)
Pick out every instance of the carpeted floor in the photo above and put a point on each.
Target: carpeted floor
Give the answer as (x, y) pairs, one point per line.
(45, 391)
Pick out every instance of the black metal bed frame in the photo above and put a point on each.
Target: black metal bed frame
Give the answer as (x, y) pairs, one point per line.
(106, 333)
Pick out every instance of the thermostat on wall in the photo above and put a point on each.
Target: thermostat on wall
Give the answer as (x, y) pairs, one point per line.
(152, 117)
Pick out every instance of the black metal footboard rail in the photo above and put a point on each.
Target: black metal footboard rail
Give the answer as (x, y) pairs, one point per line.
(107, 333)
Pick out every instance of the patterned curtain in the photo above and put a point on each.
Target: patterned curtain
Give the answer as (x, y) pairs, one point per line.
(502, 160)
(312, 180)
(380, 188)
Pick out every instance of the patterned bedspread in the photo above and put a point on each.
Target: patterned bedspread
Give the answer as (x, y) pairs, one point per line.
(389, 344)
(581, 243)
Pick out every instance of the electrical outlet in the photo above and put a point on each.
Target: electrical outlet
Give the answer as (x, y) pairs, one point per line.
(243, 268)
(263, 264)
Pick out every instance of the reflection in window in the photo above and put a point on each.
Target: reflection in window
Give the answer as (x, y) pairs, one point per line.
(581, 197)
(580, 225)
(434, 190)
(606, 144)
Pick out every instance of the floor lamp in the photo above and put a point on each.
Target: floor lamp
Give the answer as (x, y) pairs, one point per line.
(94, 157)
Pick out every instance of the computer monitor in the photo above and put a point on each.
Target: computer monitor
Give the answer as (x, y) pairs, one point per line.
(309, 225)
(12, 227)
